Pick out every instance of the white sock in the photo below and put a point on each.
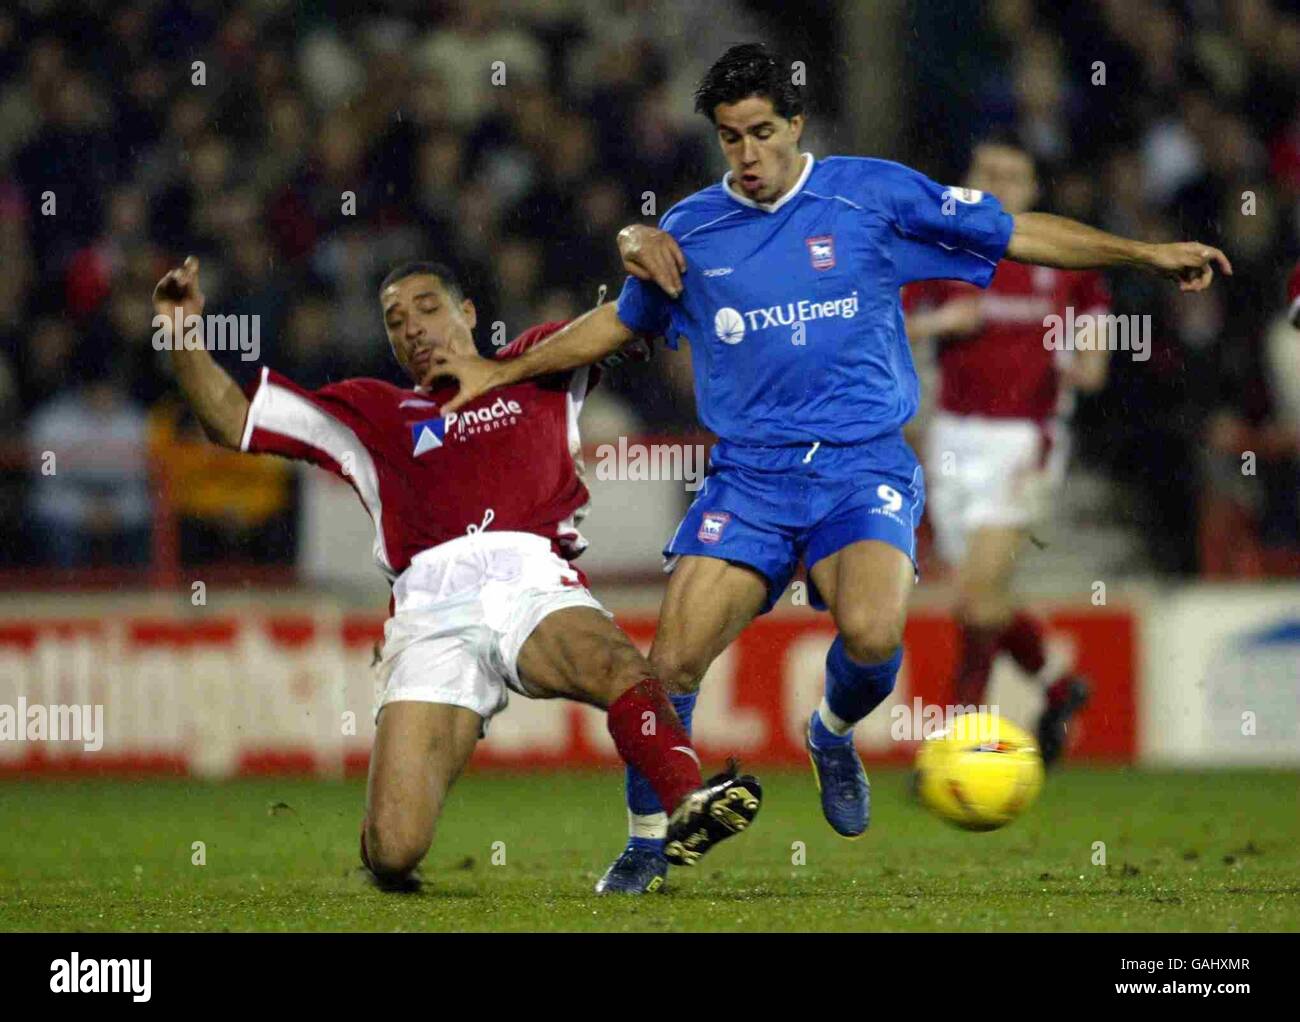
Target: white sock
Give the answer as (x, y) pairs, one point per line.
(655, 825)
(832, 723)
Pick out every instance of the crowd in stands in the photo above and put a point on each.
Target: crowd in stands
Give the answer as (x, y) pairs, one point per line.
(300, 154)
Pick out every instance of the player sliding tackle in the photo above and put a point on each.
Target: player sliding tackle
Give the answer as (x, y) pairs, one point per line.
(802, 369)
(475, 611)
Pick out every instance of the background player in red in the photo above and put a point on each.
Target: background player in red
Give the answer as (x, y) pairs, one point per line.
(473, 612)
(998, 445)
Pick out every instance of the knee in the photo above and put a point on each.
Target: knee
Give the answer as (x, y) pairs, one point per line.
(872, 639)
(624, 667)
(391, 848)
(679, 673)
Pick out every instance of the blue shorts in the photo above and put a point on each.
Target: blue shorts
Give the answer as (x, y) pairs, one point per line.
(771, 507)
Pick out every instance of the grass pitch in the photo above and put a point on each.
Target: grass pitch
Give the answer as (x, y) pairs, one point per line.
(1216, 851)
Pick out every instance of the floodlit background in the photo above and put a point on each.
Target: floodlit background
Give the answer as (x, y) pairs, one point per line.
(223, 608)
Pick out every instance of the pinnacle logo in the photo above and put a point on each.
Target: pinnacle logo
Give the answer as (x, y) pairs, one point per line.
(431, 434)
(428, 435)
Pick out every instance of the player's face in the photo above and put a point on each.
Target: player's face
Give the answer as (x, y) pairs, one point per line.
(1007, 173)
(761, 147)
(422, 320)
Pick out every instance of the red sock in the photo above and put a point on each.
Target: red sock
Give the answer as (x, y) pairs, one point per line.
(978, 647)
(664, 756)
(1023, 639)
(1059, 689)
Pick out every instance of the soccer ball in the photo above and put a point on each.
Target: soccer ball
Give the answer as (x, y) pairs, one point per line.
(980, 773)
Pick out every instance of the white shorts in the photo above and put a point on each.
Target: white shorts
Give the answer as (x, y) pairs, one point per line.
(462, 612)
(983, 472)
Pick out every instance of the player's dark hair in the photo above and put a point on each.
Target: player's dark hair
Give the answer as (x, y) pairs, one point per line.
(749, 70)
(442, 271)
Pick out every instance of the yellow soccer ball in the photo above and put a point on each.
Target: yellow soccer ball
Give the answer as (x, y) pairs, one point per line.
(980, 773)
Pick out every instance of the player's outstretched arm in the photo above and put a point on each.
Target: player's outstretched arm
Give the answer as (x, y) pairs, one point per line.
(1047, 240)
(219, 404)
(588, 339)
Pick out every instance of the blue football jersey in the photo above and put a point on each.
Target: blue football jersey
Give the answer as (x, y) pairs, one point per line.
(792, 308)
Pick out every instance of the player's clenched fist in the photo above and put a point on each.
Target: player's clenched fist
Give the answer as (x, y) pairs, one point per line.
(651, 254)
(179, 287)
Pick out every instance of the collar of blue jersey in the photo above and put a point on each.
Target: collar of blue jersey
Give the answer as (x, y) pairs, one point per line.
(772, 207)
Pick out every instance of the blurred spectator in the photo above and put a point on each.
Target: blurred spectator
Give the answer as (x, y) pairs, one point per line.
(91, 269)
(518, 265)
(310, 356)
(227, 504)
(470, 48)
(15, 257)
(25, 102)
(46, 360)
(90, 497)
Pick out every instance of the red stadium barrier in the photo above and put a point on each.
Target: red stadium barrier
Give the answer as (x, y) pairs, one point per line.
(274, 693)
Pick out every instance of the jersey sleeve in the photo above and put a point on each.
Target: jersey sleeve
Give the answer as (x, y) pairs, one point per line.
(643, 307)
(943, 232)
(328, 427)
(534, 335)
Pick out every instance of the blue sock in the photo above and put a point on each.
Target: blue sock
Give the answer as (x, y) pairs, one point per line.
(641, 798)
(853, 690)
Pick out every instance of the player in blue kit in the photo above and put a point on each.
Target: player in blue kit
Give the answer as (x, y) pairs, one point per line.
(803, 370)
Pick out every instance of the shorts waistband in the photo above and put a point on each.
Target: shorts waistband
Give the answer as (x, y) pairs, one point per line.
(889, 449)
(460, 566)
(485, 540)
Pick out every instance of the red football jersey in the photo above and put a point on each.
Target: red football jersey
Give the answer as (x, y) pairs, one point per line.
(426, 478)
(1004, 370)
(1293, 297)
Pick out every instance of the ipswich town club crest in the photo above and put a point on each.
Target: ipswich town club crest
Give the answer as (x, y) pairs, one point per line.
(822, 251)
(712, 525)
